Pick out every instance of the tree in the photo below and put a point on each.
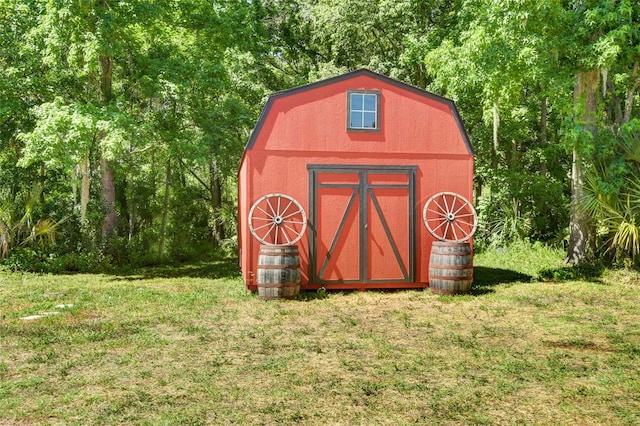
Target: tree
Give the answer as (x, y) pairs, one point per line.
(607, 36)
(79, 44)
(140, 93)
(500, 63)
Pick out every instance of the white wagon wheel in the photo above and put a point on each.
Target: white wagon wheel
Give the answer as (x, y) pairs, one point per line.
(277, 219)
(450, 217)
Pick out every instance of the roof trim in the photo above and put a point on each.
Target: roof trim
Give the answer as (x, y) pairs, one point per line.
(363, 71)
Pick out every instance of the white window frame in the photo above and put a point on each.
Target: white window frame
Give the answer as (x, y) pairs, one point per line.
(376, 111)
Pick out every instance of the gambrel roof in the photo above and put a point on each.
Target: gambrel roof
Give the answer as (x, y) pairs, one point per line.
(352, 75)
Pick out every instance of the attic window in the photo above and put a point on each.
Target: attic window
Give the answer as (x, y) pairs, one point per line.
(364, 110)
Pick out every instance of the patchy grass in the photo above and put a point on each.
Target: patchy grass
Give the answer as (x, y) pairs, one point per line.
(191, 346)
(522, 258)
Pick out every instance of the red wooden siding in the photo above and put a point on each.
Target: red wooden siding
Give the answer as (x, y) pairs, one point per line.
(301, 147)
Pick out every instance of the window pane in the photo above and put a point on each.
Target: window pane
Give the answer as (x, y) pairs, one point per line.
(363, 111)
(370, 102)
(356, 120)
(370, 120)
(356, 101)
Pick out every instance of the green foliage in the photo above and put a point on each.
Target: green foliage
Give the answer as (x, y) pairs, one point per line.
(150, 83)
(132, 83)
(520, 257)
(62, 136)
(27, 259)
(509, 224)
(517, 207)
(20, 224)
(612, 197)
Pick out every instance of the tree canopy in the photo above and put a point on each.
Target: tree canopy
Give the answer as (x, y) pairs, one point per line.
(127, 119)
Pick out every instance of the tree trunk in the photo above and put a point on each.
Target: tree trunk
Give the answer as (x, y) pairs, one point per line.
(578, 225)
(628, 105)
(109, 199)
(496, 126)
(585, 102)
(543, 132)
(215, 189)
(85, 190)
(165, 210)
(106, 77)
(108, 188)
(42, 183)
(133, 209)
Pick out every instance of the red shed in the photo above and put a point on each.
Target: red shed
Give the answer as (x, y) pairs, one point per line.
(361, 153)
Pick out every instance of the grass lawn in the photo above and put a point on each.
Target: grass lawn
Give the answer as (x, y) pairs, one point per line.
(190, 345)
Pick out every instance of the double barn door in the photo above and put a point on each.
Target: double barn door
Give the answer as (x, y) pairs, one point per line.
(362, 224)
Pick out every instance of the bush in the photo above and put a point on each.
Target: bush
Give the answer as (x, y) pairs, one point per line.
(22, 259)
(25, 259)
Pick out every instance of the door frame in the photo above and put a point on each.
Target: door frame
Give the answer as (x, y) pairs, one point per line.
(364, 187)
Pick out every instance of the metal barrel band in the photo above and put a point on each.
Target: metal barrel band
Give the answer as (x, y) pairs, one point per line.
(292, 266)
(440, 266)
(452, 278)
(280, 285)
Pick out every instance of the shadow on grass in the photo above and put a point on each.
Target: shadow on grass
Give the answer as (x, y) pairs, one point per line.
(582, 271)
(209, 269)
(484, 279)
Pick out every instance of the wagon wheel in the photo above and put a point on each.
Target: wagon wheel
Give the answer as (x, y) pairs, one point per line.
(450, 217)
(277, 219)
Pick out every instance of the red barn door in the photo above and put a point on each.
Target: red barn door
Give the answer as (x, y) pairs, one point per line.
(362, 224)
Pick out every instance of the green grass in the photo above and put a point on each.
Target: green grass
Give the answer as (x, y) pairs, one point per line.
(189, 345)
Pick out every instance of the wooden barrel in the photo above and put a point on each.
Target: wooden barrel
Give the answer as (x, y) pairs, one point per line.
(450, 268)
(278, 272)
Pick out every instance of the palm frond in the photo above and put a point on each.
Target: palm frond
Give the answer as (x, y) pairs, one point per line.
(631, 145)
(509, 224)
(627, 238)
(44, 232)
(31, 202)
(616, 211)
(597, 201)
